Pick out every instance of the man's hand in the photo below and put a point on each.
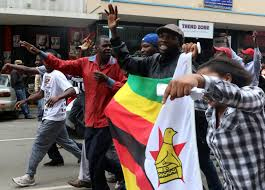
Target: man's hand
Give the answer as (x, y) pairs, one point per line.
(113, 20)
(52, 101)
(88, 42)
(20, 103)
(31, 48)
(7, 68)
(190, 47)
(182, 86)
(100, 77)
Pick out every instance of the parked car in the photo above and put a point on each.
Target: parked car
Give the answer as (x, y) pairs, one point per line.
(8, 97)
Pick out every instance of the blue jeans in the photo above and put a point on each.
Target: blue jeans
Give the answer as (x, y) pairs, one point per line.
(40, 109)
(48, 133)
(21, 95)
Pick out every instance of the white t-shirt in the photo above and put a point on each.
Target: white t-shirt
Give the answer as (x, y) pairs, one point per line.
(54, 84)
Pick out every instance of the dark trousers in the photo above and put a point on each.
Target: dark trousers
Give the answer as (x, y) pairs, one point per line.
(98, 141)
(210, 172)
(206, 164)
(21, 95)
(54, 153)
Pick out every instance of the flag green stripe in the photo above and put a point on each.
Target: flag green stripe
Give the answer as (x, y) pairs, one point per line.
(146, 87)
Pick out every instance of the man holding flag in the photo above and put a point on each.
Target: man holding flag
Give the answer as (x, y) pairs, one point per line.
(156, 150)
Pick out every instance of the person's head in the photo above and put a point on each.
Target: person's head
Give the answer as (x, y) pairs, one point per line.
(248, 55)
(18, 62)
(149, 44)
(38, 61)
(103, 47)
(222, 52)
(53, 52)
(170, 39)
(227, 70)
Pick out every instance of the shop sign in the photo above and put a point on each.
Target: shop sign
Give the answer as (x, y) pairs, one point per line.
(194, 29)
(219, 4)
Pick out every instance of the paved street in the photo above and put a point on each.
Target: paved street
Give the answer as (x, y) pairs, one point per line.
(16, 138)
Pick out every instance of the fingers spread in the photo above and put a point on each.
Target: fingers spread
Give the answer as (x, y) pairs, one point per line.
(116, 10)
(106, 12)
(111, 10)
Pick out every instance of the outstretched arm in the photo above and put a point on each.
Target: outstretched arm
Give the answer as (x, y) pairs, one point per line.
(71, 67)
(248, 98)
(7, 68)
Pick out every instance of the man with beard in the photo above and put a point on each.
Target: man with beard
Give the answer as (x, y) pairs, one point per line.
(102, 78)
(159, 65)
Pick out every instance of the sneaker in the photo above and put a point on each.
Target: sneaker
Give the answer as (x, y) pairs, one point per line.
(29, 117)
(79, 183)
(54, 163)
(24, 181)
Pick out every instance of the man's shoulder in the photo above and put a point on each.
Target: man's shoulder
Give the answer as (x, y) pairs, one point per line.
(57, 73)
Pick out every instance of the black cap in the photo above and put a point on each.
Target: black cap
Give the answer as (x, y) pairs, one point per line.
(172, 28)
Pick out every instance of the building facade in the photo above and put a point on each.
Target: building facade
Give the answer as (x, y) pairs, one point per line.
(236, 18)
(66, 21)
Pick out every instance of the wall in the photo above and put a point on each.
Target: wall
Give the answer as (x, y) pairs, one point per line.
(76, 6)
(153, 11)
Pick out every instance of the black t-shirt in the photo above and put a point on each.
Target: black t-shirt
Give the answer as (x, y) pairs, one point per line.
(17, 80)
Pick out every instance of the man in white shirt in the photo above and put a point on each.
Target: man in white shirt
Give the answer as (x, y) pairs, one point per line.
(55, 88)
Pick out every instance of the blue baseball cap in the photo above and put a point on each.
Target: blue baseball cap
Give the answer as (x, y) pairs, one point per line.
(151, 38)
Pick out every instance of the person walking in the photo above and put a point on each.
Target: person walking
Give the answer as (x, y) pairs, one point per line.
(17, 83)
(55, 88)
(102, 78)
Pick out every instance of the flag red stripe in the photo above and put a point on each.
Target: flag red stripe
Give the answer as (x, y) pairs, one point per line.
(127, 160)
(132, 124)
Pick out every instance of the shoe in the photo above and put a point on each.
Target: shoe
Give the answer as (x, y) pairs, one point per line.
(29, 117)
(120, 185)
(79, 183)
(24, 181)
(54, 163)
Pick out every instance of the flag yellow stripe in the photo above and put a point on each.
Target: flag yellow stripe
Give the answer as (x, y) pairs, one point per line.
(137, 104)
(130, 179)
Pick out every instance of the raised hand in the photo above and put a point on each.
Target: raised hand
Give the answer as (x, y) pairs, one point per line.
(190, 47)
(31, 48)
(112, 15)
(87, 43)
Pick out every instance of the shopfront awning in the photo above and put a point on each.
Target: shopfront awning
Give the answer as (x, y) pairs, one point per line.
(46, 18)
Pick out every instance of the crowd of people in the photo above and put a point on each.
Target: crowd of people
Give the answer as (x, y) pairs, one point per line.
(229, 120)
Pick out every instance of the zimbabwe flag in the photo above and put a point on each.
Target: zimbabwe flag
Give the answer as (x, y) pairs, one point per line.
(156, 144)
(133, 112)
